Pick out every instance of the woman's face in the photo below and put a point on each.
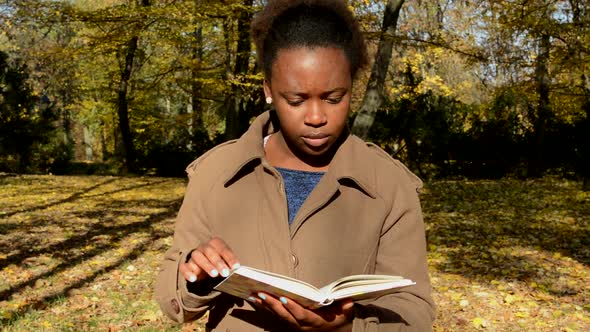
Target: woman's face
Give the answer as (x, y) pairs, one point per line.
(311, 91)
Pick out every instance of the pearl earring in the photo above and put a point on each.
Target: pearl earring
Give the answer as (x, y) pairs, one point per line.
(268, 100)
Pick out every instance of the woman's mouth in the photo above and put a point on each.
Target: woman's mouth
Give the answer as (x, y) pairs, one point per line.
(316, 140)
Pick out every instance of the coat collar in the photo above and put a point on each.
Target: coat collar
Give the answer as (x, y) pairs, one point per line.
(351, 162)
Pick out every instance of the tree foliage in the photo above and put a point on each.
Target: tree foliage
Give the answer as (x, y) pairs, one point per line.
(26, 123)
(508, 75)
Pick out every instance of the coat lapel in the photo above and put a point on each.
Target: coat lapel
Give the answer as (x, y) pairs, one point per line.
(322, 194)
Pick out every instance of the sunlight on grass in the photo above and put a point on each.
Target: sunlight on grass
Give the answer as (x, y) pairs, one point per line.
(82, 253)
(509, 255)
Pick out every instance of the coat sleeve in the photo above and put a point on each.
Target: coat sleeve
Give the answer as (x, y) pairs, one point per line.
(191, 229)
(401, 251)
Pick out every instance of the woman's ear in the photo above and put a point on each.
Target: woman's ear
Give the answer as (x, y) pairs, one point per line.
(267, 91)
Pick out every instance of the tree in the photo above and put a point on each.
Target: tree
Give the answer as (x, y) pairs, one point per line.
(579, 40)
(122, 102)
(374, 94)
(139, 80)
(237, 100)
(24, 121)
(196, 86)
(543, 82)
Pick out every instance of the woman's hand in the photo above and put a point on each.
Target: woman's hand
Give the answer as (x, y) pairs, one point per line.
(210, 259)
(336, 317)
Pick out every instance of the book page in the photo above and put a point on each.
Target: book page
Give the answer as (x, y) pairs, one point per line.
(357, 280)
(245, 281)
(365, 291)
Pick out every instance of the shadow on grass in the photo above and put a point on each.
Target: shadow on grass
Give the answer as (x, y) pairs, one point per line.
(7, 175)
(68, 199)
(115, 233)
(39, 303)
(97, 229)
(491, 229)
(6, 228)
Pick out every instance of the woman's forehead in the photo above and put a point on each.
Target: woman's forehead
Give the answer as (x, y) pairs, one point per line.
(305, 65)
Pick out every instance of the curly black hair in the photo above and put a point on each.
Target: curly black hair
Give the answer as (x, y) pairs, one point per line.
(284, 24)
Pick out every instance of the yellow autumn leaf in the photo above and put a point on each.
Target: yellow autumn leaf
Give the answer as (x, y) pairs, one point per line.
(6, 315)
(509, 299)
(581, 316)
(479, 322)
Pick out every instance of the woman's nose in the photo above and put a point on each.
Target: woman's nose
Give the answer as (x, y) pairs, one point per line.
(315, 115)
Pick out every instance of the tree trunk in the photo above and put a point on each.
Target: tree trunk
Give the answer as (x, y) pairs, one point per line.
(197, 125)
(123, 106)
(585, 136)
(236, 103)
(374, 95)
(123, 102)
(255, 105)
(543, 110)
(580, 17)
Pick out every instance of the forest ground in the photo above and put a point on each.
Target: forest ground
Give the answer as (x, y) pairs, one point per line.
(82, 253)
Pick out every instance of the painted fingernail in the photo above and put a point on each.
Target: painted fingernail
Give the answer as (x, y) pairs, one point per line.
(192, 278)
(225, 273)
(214, 273)
(252, 299)
(262, 296)
(283, 300)
(236, 266)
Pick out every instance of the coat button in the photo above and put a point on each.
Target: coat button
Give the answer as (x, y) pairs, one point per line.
(294, 260)
(175, 306)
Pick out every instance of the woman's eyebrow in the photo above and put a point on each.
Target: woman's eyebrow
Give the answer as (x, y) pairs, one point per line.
(343, 90)
(295, 93)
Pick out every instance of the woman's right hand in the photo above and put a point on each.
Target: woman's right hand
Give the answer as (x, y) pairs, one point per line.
(210, 259)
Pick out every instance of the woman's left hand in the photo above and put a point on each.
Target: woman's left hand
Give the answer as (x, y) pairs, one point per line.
(336, 317)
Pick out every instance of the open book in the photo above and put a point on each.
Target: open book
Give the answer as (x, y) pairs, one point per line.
(246, 281)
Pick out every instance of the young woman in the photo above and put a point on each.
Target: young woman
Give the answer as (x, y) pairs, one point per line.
(299, 196)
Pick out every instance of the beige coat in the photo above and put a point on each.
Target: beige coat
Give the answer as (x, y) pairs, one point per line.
(363, 217)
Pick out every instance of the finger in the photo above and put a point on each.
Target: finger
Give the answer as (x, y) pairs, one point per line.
(304, 316)
(294, 308)
(203, 262)
(337, 313)
(192, 266)
(187, 272)
(225, 252)
(277, 307)
(199, 272)
(342, 309)
(254, 299)
(214, 256)
(347, 306)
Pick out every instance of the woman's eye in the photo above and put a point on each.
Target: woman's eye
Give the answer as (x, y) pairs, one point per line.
(294, 102)
(334, 100)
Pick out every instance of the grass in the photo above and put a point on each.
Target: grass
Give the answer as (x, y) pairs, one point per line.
(81, 253)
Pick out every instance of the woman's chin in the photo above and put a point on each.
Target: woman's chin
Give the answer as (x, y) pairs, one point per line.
(316, 152)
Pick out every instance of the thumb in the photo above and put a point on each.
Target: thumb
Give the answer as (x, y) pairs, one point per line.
(347, 305)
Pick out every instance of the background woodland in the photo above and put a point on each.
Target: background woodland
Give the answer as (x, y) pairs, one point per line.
(480, 89)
